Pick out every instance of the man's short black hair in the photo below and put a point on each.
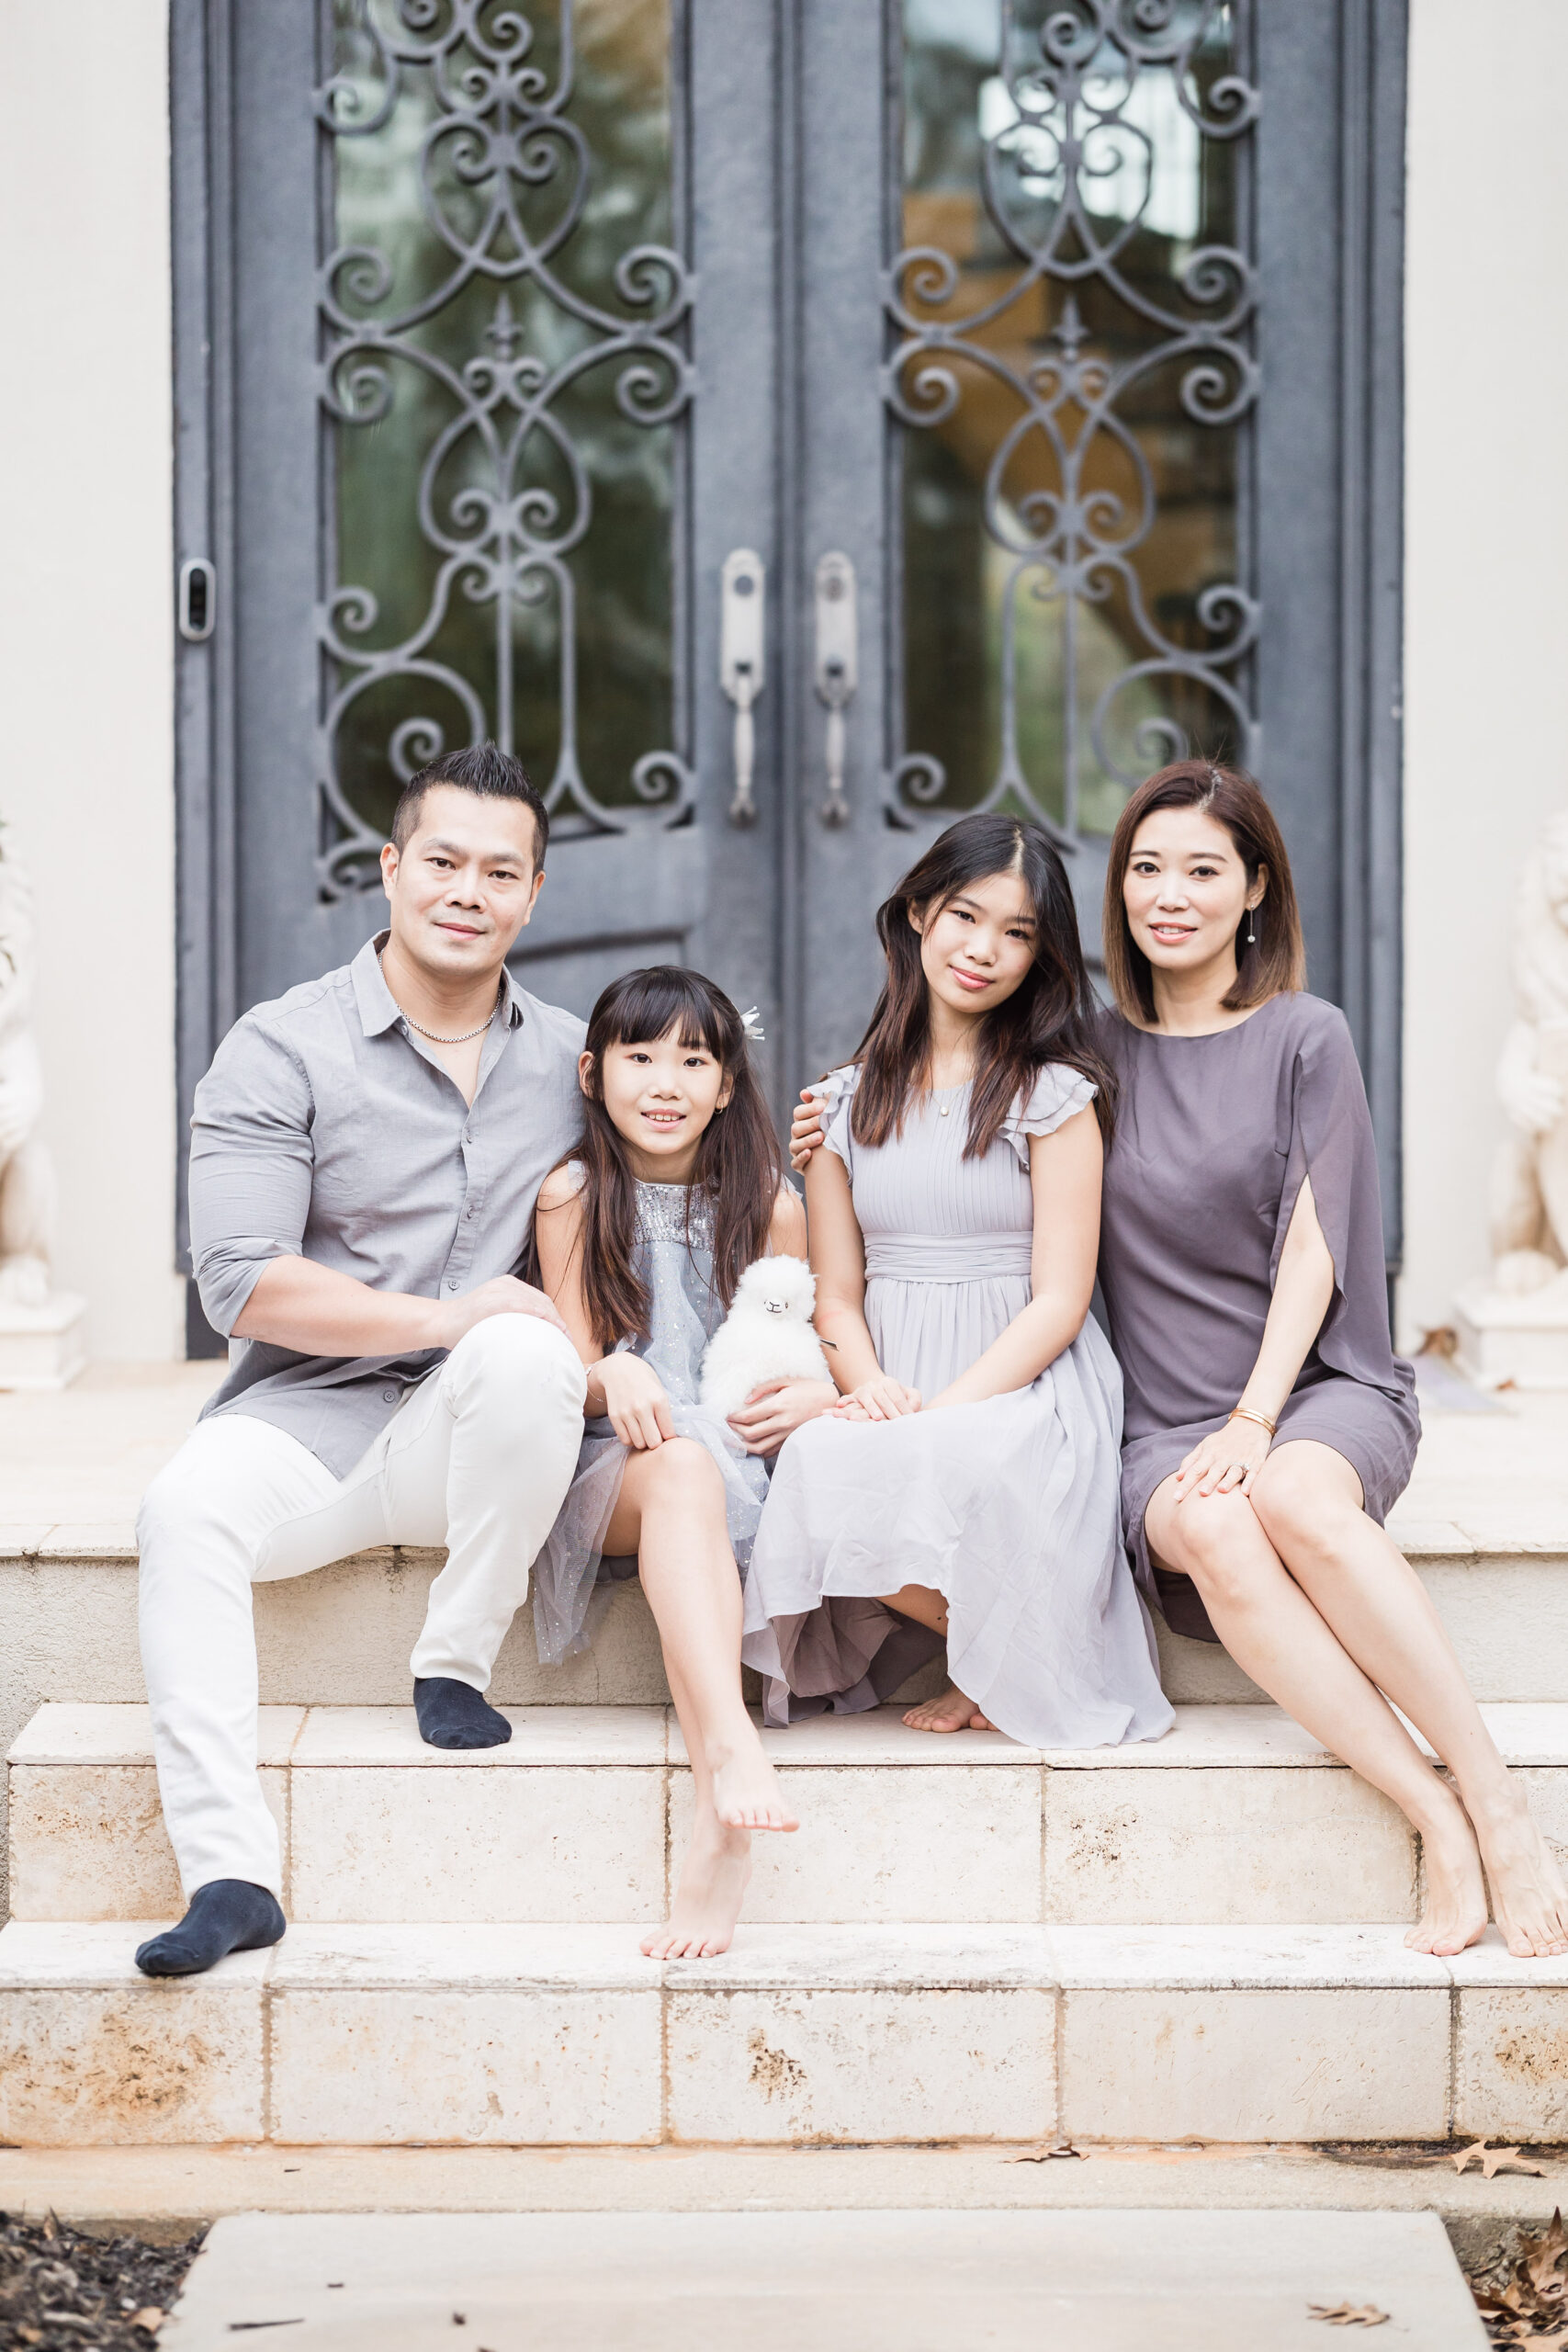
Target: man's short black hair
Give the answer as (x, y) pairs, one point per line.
(483, 768)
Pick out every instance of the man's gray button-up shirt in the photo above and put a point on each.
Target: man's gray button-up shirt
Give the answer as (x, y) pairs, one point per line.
(325, 1129)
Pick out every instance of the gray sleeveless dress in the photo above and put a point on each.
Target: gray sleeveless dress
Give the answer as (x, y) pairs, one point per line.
(1009, 1507)
(675, 1257)
(1213, 1135)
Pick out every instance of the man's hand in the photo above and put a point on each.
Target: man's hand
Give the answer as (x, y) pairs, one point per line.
(804, 1130)
(639, 1410)
(777, 1409)
(502, 1295)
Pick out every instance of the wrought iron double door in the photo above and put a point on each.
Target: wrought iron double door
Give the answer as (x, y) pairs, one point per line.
(786, 423)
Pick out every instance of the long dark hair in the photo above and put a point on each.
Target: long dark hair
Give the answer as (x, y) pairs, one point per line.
(1049, 1017)
(1275, 962)
(740, 1166)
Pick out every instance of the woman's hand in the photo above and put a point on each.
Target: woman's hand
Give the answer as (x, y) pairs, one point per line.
(880, 1398)
(1226, 1463)
(805, 1129)
(635, 1401)
(777, 1409)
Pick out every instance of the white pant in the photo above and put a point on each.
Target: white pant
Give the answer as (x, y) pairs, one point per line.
(478, 1457)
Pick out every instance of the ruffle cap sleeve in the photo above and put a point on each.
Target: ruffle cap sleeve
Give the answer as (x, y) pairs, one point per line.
(1057, 1094)
(836, 1092)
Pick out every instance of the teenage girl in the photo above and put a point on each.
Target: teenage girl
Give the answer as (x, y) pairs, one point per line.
(966, 1486)
(675, 1187)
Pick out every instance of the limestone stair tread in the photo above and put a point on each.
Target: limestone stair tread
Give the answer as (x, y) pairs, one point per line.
(581, 1817)
(563, 2035)
(1214, 1737)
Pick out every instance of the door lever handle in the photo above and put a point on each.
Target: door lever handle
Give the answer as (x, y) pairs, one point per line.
(836, 671)
(743, 584)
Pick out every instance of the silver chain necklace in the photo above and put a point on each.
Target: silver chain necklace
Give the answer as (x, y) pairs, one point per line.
(468, 1033)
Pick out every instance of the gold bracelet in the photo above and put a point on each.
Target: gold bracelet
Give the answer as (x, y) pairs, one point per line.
(1246, 1413)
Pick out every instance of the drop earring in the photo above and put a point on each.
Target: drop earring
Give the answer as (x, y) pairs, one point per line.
(1251, 935)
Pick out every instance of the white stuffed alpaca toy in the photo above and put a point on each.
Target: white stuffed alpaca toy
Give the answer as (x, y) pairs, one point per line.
(766, 1335)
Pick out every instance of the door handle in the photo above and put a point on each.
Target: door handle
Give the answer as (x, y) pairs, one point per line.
(197, 609)
(835, 672)
(743, 584)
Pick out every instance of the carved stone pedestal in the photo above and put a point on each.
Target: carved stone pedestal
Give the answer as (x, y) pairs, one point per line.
(41, 1347)
(1522, 1338)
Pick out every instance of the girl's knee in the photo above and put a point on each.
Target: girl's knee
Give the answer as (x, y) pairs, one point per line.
(682, 1467)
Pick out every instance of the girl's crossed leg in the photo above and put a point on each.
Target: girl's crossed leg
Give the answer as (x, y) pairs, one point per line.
(671, 1513)
(1318, 1605)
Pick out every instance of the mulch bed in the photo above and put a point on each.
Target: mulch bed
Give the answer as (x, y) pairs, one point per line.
(61, 2291)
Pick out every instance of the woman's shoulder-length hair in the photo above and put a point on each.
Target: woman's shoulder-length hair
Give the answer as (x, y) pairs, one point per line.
(1275, 963)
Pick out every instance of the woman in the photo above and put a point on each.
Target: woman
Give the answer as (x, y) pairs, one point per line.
(967, 1483)
(1269, 1425)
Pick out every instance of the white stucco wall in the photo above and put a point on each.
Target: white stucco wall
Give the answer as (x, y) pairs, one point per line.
(86, 785)
(85, 621)
(1487, 611)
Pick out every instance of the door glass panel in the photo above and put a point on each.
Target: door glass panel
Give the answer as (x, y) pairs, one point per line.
(1071, 373)
(503, 315)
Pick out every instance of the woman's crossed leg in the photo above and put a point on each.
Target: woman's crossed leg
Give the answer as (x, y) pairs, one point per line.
(671, 1513)
(1318, 1605)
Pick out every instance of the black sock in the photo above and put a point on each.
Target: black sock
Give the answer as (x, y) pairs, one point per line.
(226, 1914)
(454, 1714)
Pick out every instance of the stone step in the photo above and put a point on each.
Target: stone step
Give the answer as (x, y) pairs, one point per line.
(565, 2036)
(1236, 1817)
(342, 1637)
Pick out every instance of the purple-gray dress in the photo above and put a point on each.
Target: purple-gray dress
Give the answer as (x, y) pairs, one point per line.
(1213, 1135)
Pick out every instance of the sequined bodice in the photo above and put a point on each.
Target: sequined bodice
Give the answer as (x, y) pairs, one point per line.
(671, 1212)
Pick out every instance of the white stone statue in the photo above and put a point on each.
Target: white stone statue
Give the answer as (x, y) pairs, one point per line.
(1529, 1183)
(26, 1173)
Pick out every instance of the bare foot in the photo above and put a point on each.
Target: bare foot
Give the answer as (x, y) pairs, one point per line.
(1528, 1893)
(951, 1712)
(746, 1790)
(1455, 1914)
(708, 1897)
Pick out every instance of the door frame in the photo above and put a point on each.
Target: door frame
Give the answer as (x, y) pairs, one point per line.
(1339, 784)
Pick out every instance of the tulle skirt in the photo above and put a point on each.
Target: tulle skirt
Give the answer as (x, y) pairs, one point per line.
(568, 1569)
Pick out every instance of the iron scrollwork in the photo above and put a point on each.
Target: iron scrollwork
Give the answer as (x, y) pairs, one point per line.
(498, 129)
(1071, 84)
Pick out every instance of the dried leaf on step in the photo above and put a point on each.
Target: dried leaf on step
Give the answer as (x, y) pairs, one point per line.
(149, 2316)
(1491, 2160)
(1044, 2156)
(1348, 2314)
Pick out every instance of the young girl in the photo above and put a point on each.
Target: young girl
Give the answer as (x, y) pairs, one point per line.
(967, 1483)
(675, 1187)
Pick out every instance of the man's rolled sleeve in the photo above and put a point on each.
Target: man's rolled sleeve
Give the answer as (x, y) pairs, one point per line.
(251, 1160)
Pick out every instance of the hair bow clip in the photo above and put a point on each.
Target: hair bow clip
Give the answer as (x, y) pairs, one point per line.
(752, 1027)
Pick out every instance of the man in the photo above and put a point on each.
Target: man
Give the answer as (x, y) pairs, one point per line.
(365, 1159)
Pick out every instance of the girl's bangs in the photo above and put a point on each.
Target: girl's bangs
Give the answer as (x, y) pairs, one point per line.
(650, 1004)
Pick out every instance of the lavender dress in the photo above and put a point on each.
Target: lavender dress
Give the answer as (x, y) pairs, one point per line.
(675, 1257)
(1009, 1507)
(1213, 1135)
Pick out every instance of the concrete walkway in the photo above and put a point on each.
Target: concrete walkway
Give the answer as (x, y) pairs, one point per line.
(1017, 2283)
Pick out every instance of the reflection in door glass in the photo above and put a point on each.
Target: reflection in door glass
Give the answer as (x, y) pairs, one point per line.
(1071, 363)
(503, 319)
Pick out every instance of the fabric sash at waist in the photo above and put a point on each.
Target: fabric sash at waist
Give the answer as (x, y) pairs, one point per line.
(947, 1257)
